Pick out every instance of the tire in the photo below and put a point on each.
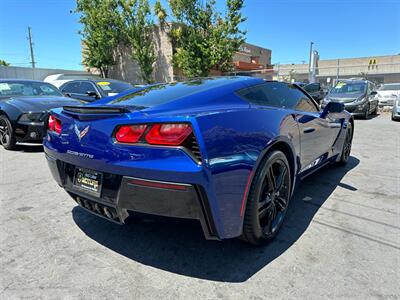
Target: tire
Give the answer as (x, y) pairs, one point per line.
(7, 135)
(366, 114)
(268, 199)
(346, 150)
(375, 112)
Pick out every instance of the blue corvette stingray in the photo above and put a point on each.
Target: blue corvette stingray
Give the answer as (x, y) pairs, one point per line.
(226, 151)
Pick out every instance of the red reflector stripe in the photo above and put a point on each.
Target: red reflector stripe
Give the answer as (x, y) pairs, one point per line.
(246, 190)
(160, 185)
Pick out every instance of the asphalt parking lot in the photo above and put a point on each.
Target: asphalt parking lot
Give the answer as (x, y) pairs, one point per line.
(341, 238)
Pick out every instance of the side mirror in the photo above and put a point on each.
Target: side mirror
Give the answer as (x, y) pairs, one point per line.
(67, 95)
(373, 93)
(92, 94)
(332, 107)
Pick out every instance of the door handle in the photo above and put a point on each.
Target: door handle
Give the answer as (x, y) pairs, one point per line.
(308, 130)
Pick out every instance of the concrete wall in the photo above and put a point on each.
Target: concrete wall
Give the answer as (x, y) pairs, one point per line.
(36, 74)
(384, 69)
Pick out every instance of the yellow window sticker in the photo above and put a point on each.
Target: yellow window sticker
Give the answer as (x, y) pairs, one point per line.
(103, 83)
(340, 85)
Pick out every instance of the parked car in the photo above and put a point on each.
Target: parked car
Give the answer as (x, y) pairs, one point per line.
(388, 93)
(300, 84)
(396, 109)
(59, 79)
(92, 90)
(24, 106)
(226, 151)
(358, 97)
(315, 90)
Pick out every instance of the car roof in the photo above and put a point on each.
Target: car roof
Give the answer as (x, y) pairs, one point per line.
(21, 80)
(194, 92)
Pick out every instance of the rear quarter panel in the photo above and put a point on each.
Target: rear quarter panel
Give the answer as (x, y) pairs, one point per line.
(235, 143)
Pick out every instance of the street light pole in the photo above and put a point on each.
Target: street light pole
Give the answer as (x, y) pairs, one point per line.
(309, 62)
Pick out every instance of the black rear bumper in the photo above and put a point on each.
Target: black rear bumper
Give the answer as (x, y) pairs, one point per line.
(121, 194)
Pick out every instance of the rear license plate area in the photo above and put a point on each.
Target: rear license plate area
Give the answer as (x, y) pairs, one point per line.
(88, 181)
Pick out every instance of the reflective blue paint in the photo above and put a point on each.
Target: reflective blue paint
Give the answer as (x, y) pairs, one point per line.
(233, 137)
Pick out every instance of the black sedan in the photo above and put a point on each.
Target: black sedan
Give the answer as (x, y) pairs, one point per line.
(92, 90)
(24, 106)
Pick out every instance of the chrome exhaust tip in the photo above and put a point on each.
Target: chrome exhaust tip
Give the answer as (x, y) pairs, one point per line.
(98, 209)
(108, 213)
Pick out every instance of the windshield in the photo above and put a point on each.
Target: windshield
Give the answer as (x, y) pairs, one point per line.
(390, 87)
(349, 88)
(111, 88)
(27, 88)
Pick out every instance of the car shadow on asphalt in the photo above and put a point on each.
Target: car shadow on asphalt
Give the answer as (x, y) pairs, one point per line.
(178, 246)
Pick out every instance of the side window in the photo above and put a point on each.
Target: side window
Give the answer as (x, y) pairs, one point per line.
(71, 87)
(303, 102)
(86, 87)
(270, 94)
(278, 94)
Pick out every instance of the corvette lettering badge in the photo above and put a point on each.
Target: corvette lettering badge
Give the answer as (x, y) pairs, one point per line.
(81, 134)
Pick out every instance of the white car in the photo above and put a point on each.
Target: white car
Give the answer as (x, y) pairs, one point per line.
(388, 93)
(59, 79)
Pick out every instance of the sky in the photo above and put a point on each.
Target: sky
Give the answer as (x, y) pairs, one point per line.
(338, 28)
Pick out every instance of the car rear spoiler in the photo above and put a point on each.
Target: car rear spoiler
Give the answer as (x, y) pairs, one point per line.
(95, 110)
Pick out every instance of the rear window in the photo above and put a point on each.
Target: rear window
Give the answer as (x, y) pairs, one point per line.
(163, 93)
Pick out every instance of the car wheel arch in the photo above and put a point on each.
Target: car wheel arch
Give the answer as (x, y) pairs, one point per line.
(277, 145)
(287, 149)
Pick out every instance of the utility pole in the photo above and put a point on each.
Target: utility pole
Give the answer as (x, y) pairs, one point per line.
(31, 47)
(309, 62)
(337, 71)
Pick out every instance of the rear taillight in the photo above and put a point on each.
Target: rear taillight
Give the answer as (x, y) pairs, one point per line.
(54, 124)
(130, 133)
(168, 134)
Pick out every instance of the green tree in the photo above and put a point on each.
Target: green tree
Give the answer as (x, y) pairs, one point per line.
(203, 38)
(101, 32)
(138, 29)
(4, 63)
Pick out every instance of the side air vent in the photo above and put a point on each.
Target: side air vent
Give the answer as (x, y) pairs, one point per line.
(192, 145)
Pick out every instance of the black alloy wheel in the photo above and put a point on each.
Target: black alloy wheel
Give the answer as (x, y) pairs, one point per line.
(7, 137)
(268, 199)
(344, 158)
